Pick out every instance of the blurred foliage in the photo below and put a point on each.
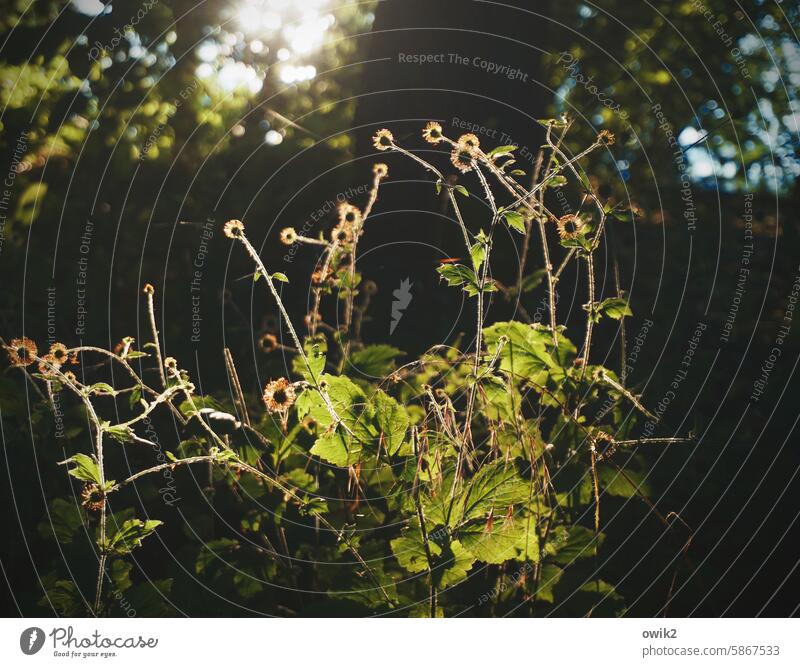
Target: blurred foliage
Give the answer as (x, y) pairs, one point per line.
(726, 71)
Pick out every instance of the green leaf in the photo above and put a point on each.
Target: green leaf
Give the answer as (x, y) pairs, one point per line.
(375, 361)
(515, 220)
(101, 389)
(130, 535)
(556, 181)
(615, 483)
(120, 433)
(525, 355)
(574, 543)
(280, 277)
(478, 254)
(501, 150)
(392, 421)
(86, 468)
(30, 202)
(409, 550)
(461, 190)
(333, 448)
(503, 541)
(548, 578)
(457, 275)
(453, 565)
(616, 308)
(64, 521)
(495, 487)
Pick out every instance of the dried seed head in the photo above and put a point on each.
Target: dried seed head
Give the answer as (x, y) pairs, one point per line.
(171, 364)
(380, 170)
(93, 498)
(606, 138)
(350, 215)
(569, 226)
(22, 351)
(71, 377)
(469, 141)
(319, 276)
(268, 343)
(148, 289)
(310, 425)
(462, 159)
(432, 133)
(233, 229)
(60, 353)
(383, 140)
(342, 234)
(48, 365)
(279, 395)
(288, 236)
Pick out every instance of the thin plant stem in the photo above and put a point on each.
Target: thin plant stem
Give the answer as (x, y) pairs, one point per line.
(151, 313)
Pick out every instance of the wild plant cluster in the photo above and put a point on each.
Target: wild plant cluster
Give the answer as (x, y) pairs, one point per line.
(467, 481)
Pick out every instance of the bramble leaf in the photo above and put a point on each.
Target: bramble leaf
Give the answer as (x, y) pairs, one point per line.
(86, 468)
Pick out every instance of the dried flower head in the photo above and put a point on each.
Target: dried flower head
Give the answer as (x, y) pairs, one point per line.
(310, 425)
(342, 234)
(268, 342)
(383, 140)
(71, 378)
(432, 133)
(22, 351)
(60, 353)
(48, 365)
(462, 159)
(93, 498)
(469, 141)
(171, 363)
(279, 395)
(233, 229)
(607, 138)
(602, 444)
(288, 236)
(569, 226)
(380, 170)
(350, 215)
(148, 289)
(319, 276)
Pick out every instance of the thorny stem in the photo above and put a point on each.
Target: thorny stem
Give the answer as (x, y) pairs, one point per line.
(233, 376)
(101, 568)
(605, 377)
(329, 253)
(422, 527)
(322, 392)
(438, 174)
(479, 331)
(587, 344)
(124, 362)
(151, 313)
(373, 197)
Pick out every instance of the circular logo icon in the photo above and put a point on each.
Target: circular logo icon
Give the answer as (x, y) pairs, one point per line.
(31, 640)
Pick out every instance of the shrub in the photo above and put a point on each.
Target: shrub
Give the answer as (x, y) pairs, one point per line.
(488, 460)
